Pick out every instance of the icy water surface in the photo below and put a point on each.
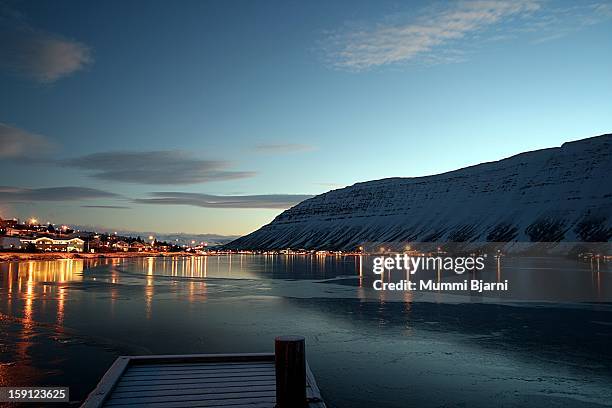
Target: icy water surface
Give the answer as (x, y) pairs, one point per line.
(64, 322)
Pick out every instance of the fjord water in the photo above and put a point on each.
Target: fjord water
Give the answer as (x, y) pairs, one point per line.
(548, 342)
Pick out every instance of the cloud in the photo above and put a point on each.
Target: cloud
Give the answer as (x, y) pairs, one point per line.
(603, 9)
(154, 167)
(37, 54)
(331, 185)
(275, 201)
(17, 143)
(283, 148)
(113, 207)
(441, 34)
(560, 22)
(387, 44)
(16, 194)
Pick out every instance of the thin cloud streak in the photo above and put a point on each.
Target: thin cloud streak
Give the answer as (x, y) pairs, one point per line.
(388, 44)
(283, 148)
(111, 207)
(42, 56)
(17, 194)
(154, 167)
(331, 185)
(271, 201)
(442, 35)
(17, 143)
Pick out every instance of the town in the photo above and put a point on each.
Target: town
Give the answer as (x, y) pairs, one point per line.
(33, 236)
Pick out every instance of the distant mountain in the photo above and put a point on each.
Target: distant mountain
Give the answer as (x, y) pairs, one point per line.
(556, 194)
(178, 238)
(187, 239)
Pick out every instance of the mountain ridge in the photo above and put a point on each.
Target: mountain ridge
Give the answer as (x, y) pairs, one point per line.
(551, 194)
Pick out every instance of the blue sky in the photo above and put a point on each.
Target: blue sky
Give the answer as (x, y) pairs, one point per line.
(214, 116)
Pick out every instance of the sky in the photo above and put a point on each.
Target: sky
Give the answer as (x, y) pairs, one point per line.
(215, 116)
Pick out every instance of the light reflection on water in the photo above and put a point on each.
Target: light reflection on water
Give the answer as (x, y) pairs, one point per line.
(238, 303)
(30, 281)
(26, 290)
(242, 266)
(530, 279)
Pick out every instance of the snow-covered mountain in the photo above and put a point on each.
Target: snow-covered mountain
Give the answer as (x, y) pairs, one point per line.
(556, 194)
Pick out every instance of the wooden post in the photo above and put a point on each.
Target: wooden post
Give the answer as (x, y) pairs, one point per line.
(290, 364)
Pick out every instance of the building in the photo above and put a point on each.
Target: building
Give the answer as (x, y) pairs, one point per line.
(8, 223)
(10, 243)
(17, 231)
(56, 244)
(138, 247)
(162, 248)
(121, 246)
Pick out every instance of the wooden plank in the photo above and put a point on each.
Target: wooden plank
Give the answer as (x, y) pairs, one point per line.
(144, 367)
(313, 394)
(201, 376)
(97, 397)
(154, 373)
(122, 388)
(196, 366)
(186, 398)
(183, 381)
(263, 402)
(192, 391)
(212, 381)
(196, 369)
(196, 358)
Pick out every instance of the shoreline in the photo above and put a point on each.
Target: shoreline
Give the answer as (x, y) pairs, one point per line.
(53, 256)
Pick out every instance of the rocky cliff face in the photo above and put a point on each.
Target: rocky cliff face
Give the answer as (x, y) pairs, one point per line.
(556, 194)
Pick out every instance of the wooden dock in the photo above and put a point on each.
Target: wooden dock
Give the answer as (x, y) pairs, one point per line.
(203, 380)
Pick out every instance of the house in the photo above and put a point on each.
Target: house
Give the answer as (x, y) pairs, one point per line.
(121, 246)
(137, 247)
(55, 244)
(163, 248)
